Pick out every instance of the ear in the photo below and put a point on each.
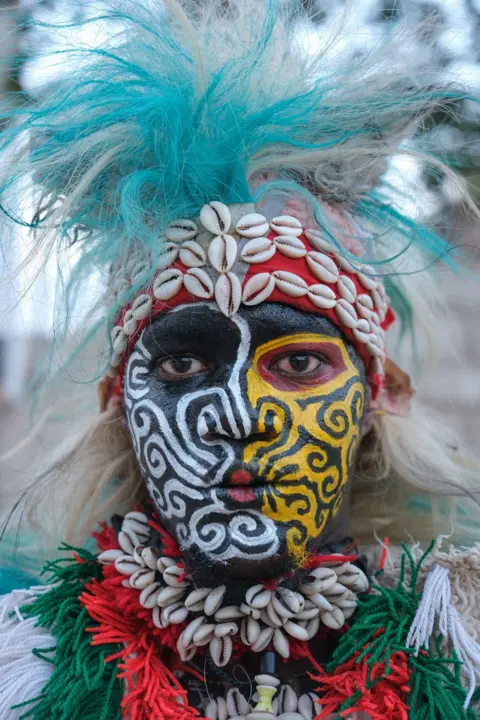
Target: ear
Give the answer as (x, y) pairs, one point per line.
(395, 397)
(108, 395)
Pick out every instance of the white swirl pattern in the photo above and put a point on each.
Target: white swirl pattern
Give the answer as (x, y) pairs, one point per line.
(182, 466)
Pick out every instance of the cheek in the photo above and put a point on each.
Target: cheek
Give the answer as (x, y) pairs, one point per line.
(309, 462)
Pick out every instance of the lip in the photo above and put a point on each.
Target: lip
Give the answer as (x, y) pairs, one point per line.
(247, 493)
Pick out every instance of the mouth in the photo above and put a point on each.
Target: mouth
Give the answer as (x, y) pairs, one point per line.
(243, 487)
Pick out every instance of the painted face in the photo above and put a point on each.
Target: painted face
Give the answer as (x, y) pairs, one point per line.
(246, 429)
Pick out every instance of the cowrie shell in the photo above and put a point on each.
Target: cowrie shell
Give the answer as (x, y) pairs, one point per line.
(309, 705)
(348, 612)
(236, 703)
(128, 539)
(318, 580)
(190, 630)
(126, 565)
(230, 612)
(249, 630)
(286, 602)
(107, 557)
(221, 650)
(286, 225)
(290, 246)
(287, 700)
(142, 578)
(169, 595)
(258, 596)
(354, 578)
(321, 602)
(322, 296)
(216, 218)
(322, 266)
(318, 241)
(174, 614)
(366, 280)
(334, 619)
(203, 637)
(364, 305)
(250, 611)
(186, 654)
(217, 709)
(312, 626)
(157, 618)
(214, 599)
(336, 590)
(180, 230)
(281, 644)
(361, 332)
(263, 639)
(346, 600)
(346, 288)
(150, 557)
(138, 523)
(167, 284)
(296, 630)
(137, 554)
(228, 293)
(258, 288)
(204, 634)
(228, 628)
(345, 264)
(119, 340)
(164, 562)
(148, 596)
(290, 284)
(270, 616)
(167, 255)
(172, 576)
(346, 313)
(252, 225)
(198, 283)
(195, 600)
(192, 254)
(129, 323)
(222, 252)
(141, 306)
(310, 611)
(373, 346)
(258, 250)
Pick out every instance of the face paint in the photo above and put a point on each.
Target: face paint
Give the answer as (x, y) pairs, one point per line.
(242, 463)
(307, 467)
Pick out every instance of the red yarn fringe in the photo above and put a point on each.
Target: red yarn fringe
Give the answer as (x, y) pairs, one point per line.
(152, 690)
(382, 696)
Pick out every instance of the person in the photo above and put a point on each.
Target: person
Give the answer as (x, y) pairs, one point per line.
(259, 457)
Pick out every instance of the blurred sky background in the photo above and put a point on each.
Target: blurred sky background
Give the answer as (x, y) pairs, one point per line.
(452, 381)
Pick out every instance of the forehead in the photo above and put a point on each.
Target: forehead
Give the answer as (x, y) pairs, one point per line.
(202, 325)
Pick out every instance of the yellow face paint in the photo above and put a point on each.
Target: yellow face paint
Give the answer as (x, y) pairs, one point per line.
(313, 435)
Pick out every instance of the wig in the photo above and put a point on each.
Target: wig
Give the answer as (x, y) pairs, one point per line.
(190, 102)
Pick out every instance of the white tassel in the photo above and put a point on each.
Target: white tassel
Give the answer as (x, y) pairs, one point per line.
(22, 675)
(436, 606)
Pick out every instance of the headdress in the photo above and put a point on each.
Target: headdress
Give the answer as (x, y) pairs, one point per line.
(161, 125)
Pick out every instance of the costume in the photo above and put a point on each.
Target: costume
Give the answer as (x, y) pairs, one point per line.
(230, 193)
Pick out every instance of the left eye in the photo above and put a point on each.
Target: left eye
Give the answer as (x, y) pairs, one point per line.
(297, 365)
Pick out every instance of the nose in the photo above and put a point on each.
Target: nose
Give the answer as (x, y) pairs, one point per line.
(250, 426)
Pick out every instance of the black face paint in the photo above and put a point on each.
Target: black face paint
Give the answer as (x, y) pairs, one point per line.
(217, 412)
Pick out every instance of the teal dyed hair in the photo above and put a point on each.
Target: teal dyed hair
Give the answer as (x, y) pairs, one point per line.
(183, 106)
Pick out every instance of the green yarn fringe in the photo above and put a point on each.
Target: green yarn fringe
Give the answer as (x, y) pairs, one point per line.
(436, 692)
(83, 686)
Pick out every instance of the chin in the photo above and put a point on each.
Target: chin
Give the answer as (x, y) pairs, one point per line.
(207, 570)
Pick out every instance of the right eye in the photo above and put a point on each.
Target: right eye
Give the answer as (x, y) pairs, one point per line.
(181, 368)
